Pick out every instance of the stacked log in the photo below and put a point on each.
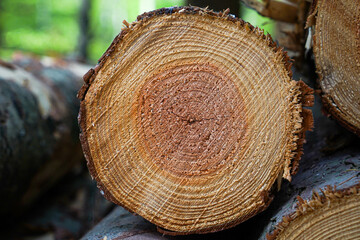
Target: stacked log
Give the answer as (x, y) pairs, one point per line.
(38, 131)
(336, 46)
(191, 119)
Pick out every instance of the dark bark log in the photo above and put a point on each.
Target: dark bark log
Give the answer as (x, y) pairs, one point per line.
(38, 131)
(67, 211)
(120, 224)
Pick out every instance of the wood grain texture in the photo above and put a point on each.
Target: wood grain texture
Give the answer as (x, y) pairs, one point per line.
(190, 117)
(336, 45)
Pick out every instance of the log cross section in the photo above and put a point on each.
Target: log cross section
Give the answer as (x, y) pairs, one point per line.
(190, 117)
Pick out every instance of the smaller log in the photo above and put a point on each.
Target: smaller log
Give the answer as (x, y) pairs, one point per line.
(328, 214)
(336, 46)
(38, 130)
(286, 11)
(328, 178)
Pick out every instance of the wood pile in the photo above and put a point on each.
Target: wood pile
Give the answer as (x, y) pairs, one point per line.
(196, 121)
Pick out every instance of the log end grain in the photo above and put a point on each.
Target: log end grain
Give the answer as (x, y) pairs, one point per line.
(336, 46)
(329, 214)
(190, 117)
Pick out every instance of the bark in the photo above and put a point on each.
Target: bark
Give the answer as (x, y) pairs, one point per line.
(38, 131)
(120, 224)
(173, 133)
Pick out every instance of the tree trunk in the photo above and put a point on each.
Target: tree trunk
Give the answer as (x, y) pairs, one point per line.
(193, 137)
(337, 56)
(38, 131)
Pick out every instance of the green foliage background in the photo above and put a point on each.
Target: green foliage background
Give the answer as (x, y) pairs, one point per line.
(51, 27)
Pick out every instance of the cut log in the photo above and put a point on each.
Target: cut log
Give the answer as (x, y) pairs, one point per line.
(38, 132)
(318, 163)
(336, 46)
(328, 205)
(190, 118)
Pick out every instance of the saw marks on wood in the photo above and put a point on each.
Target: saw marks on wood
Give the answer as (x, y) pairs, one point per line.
(190, 117)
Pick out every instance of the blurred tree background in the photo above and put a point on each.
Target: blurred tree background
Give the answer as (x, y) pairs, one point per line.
(83, 29)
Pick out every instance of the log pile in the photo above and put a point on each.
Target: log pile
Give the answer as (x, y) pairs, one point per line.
(192, 120)
(145, 117)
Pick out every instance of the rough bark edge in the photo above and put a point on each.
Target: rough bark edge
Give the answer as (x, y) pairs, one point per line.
(317, 201)
(304, 98)
(329, 107)
(307, 100)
